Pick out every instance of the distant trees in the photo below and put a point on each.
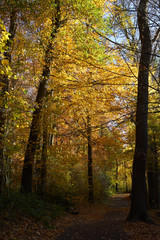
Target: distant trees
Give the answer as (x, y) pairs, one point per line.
(57, 21)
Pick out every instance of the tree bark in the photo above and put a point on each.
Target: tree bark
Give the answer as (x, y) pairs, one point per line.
(5, 88)
(26, 183)
(117, 175)
(90, 166)
(152, 174)
(44, 156)
(125, 177)
(138, 210)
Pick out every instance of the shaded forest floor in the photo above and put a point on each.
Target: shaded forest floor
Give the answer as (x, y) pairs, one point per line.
(94, 222)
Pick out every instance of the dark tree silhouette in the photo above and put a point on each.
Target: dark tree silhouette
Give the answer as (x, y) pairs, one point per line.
(138, 210)
(26, 183)
(4, 81)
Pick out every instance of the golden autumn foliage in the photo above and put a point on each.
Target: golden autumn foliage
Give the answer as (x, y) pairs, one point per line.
(88, 76)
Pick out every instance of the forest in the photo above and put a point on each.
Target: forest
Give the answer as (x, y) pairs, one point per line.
(79, 106)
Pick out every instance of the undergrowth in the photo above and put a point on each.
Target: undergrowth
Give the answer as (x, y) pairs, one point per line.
(15, 206)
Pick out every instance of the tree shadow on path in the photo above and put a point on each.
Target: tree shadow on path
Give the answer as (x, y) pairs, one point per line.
(108, 224)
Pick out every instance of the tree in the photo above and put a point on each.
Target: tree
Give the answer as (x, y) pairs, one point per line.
(4, 83)
(138, 210)
(26, 184)
(153, 158)
(153, 172)
(91, 84)
(90, 167)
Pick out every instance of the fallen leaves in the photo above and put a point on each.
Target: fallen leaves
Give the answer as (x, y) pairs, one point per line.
(142, 230)
(109, 215)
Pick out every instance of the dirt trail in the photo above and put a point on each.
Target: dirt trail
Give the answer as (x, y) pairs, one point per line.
(94, 222)
(100, 223)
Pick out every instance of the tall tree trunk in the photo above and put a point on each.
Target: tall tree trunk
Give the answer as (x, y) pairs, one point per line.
(36, 185)
(117, 175)
(152, 174)
(4, 80)
(26, 183)
(44, 156)
(125, 178)
(90, 166)
(138, 210)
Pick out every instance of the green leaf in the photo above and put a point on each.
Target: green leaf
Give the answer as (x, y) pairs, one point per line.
(25, 91)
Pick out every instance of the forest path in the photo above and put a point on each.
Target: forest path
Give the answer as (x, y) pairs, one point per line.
(100, 222)
(94, 222)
